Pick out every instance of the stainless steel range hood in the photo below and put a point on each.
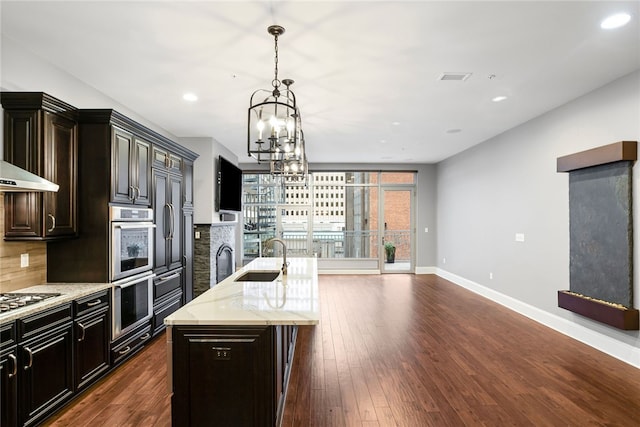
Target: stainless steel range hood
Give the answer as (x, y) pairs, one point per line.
(13, 179)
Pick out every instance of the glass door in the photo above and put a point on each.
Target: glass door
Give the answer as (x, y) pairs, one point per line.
(396, 229)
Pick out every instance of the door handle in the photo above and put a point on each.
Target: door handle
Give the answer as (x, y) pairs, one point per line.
(14, 360)
(53, 223)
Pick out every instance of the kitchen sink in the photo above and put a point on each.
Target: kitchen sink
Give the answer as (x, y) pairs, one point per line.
(258, 276)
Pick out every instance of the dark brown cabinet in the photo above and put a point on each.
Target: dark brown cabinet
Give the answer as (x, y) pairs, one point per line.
(92, 325)
(8, 375)
(45, 363)
(167, 297)
(234, 375)
(41, 136)
(167, 205)
(131, 169)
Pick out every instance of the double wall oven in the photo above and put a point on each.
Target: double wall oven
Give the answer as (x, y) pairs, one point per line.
(131, 267)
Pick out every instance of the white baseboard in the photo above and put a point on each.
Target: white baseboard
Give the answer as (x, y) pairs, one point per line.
(337, 271)
(622, 351)
(426, 270)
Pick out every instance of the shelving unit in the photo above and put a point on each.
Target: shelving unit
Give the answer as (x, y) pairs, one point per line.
(262, 194)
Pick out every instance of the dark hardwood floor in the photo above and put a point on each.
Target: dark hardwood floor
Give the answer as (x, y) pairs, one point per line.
(405, 350)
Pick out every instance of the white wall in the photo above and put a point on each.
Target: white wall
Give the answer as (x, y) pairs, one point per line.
(509, 185)
(205, 176)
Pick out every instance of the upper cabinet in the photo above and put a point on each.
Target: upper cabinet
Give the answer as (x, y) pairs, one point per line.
(131, 168)
(41, 136)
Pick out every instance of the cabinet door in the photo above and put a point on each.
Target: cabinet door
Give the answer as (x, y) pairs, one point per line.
(9, 388)
(23, 211)
(161, 220)
(232, 367)
(46, 375)
(175, 217)
(91, 347)
(61, 152)
(188, 231)
(187, 174)
(121, 162)
(142, 173)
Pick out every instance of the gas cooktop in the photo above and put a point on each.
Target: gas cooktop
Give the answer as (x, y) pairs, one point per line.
(12, 301)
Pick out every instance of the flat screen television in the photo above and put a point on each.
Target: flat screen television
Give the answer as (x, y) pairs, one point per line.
(229, 197)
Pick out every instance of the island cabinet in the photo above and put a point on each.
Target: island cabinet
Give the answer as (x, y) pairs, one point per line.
(229, 375)
(41, 136)
(92, 324)
(45, 363)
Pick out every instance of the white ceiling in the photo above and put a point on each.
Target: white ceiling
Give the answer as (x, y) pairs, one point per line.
(366, 73)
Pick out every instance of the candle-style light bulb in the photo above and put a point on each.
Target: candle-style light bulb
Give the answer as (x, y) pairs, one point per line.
(260, 126)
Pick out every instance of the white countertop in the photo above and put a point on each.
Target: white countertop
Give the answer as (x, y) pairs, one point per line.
(68, 292)
(289, 300)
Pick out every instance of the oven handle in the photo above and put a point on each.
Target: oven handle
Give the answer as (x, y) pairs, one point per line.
(129, 225)
(125, 283)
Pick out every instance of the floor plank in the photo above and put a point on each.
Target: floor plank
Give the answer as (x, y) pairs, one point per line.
(405, 350)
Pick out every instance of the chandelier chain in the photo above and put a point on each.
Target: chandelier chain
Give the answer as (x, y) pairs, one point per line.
(276, 82)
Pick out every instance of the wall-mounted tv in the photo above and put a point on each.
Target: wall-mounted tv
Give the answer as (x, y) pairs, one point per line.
(229, 197)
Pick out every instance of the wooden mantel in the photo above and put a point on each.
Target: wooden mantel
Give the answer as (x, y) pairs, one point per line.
(623, 150)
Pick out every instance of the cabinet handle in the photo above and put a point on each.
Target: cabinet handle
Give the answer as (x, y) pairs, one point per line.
(93, 303)
(171, 227)
(173, 276)
(167, 206)
(125, 350)
(30, 358)
(137, 192)
(145, 337)
(14, 360)
(83, 329)
(53, 223)
(132, 193)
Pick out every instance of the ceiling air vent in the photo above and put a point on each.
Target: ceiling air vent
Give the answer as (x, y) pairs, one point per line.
(459, 77)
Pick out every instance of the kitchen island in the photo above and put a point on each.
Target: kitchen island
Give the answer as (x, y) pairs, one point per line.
(231, 349)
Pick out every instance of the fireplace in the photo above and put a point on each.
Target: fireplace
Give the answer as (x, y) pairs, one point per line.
(224, 262)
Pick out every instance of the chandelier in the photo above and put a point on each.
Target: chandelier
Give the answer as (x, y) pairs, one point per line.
(274, 131)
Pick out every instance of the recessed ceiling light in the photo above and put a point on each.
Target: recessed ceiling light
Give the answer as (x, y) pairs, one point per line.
(499, 98)
(191, 97)
(395, 123)
(615, 21)
(383, 141)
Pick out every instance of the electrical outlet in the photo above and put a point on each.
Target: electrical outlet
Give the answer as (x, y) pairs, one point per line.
(197, 234)
(491, 276)
(444, 260)
(24, 260)
(426, 229)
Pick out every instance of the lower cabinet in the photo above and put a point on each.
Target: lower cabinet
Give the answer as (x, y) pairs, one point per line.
(8, 375)
(167, 297)
(92, 326)
(233, 375)
(128, 345)
(45, 363)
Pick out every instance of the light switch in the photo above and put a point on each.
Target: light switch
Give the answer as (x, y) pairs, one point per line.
(426, 229)
(24, 260)
(519, 237)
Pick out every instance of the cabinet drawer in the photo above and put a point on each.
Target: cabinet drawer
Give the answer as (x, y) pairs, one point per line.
(168, 305)
(91, 303)
(166, 283)
(8, 334)
(131, 343)
(35, 324)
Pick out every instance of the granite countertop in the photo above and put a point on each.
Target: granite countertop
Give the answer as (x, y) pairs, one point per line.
(68, 292)
(289, 300)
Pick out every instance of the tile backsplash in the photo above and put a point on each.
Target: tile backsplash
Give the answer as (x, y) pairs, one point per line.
(12, 276)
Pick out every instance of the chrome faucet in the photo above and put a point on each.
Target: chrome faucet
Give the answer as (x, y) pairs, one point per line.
(284, 253)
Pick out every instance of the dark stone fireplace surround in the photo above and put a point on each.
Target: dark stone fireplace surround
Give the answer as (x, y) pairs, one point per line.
(207, 250)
